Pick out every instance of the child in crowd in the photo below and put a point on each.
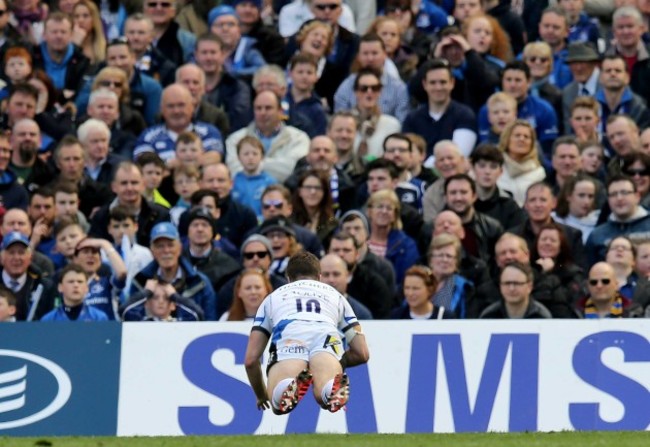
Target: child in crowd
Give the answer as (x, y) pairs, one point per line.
(123, 226)
(186, 183)
(153, 171)
(189, 149)
(66, 203)
(67, 234)
(584, 119)
(7, 306)
(17, 68)
(160, 302)
(103, 288)
(73, 287)
(250, 183)
(502, 110)
(582, 28)
(592, 154)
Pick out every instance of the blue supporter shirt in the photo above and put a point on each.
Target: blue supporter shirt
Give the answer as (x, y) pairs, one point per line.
(162, 141)
(103, 294)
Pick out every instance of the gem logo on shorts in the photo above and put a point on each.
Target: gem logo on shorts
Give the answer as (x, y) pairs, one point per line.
(334, 343)
(32, 388)
(293, 347)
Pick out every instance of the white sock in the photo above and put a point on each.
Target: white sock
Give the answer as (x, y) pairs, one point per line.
(327, 390)
(277, 392)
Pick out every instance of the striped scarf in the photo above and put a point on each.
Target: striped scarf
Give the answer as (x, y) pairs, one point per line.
(615, 311)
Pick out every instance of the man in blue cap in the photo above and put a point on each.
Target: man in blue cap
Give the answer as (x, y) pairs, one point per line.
(170, 267)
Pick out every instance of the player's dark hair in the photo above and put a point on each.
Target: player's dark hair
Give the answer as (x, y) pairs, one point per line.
(303, 265)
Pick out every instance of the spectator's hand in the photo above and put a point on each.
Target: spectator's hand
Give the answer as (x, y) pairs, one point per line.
(99, 244)
(41, 229)
(460, 40)
(547, 264)
(151, 285)
(169, 290)
(78, 35)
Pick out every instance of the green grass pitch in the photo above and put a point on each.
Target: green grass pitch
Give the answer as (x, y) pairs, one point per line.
(568, 439)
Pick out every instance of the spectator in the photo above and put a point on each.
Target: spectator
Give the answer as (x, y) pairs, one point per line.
(283, 144)
(604, 300)
(16, 219)
(584, 119)
(554, 30)
(300, 95)
(642, 261)
(159, 301)
(513, 23)
(73, 287)
(576, 205)
(621, 256)
(268, 40)
(582, 28)
(54, 117)
(516, 284)
(283, 241)
(153, 169)
(103, 105)
(186, 183)
(452, 291)
(7, 306)
(448, 162)
(173, 41)
(12, 193)
(623, 136)
(399, 149)
(502, 110)
(402, 56)
(487, 38)
(334, 272)
(251, 287)
(30, 170)
(138, 29)
(88, 32)
(637, 166)
(313, 205)
(17, 69)
(342, 129)
(539, 58)
(94, 135)
(584, 64)
(419, 286)
(592, 154)
(292, 16)
(20, 105)
(66, 203)
(565, 162)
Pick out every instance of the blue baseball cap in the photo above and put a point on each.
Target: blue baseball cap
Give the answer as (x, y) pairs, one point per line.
(165, 230)
(13, 238)
(223, 10)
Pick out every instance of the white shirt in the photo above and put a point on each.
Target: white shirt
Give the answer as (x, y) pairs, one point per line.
(293, 15)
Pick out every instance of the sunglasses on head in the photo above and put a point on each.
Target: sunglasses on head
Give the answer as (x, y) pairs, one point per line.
(251, 254)
(594, 282)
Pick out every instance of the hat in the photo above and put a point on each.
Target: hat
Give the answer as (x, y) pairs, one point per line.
(582, 52)
(256, 3)
(258, 238)
(355, 213)
(203, 213)
(164, 230)
(14, 237)
(277, 223)
(223, 10)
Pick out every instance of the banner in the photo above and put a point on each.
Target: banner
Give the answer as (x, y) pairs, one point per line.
(59, 378)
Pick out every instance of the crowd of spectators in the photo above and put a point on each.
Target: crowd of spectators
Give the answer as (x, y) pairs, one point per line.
(161, 160)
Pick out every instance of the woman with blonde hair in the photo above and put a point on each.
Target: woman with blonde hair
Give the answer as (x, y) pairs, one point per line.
(453, 291)
(387, 239)
(522, 166)
(539, 58)
(251, 287)
(388, 29)
(88, 31)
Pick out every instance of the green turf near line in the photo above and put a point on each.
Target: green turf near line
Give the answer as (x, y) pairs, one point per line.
(568, 439)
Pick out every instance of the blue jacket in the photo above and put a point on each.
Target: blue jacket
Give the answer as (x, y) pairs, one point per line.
(88, 313)
(134, 310)
(402, 252)
(459, 298)
(146, 93)
(585, 30)
(310, 110)
(561, 75)
(158, 139)
(431, 17)
(12, 193)
(631, 104)
(245, 59)
(637, 228)
(197, 286)
(248, 189)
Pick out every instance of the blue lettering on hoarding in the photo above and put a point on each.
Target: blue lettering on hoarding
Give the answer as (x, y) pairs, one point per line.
(524, 348)
(634, 396)
(198, 368)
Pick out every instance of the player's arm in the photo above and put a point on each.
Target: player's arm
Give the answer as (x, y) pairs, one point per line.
(357, 352)
(256, 345)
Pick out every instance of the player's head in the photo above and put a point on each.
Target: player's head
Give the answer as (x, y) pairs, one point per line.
(303, 265)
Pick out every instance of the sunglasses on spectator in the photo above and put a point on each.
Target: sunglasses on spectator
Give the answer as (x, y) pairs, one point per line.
(330, 6)
(117, 84)
(595, 281)
(391, 9)
(538, 58)
(259, 254)
(366, 88)
(277, 204)
(632, 172)
(161, 4)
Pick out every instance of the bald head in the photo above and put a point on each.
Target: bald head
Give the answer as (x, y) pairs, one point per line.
(334, 272)
(510, 248)
(177, 107)
(192, 77)
(16, 219)
(267, 111)
(449, 222)
(602, 283)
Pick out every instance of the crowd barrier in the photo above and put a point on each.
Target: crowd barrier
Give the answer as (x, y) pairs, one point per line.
(423, 376)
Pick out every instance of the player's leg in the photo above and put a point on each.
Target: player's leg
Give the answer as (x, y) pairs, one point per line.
(331, 384)
(288, 382)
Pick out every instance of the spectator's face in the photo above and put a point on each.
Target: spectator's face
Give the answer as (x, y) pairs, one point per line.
(460, 197)
(581, 199)
(367, 92)
(304, 77)
(322, 154)
(65, 204)
(520, 143)
(200, 232)
(645, 141)
(566, 160)
(448, 222)
(189, 153)
(267, 111)
(209, 56)
(466, 8)
(548, 244)
(5, 154)
(516, 84)
(448, 161)
(613, 75)
(210, 204)
(70, 162)
(88, 258)
(416, 292)
(345, 250)
(119, 56)
(280, 243)
(539, 204)
(379, 179)
(327, 10)
(487, 173)
(256, 255)
(509, 250)
(166, 252)
(622, 198)
(438, 84)
(443, 261)
(161, 12)
(16, 259)
(185, 185)
(390, 34)
(250, 157)
(357, 230)
(268, 82)
(643, 260)
(641, 176)
(192, 78)
(584, 121)
(41, 207)
(600, 274)
(227, 28)
(68, 239)
(114, 83)
(160, 305)
(73, 287)
(539, 64)
(21, 106)
(582, 71)
(16, 220)
(553, 29)
(591, 159)
(104, 109)
(57, 35)
(620, 253)
(152, 176)
(371, 55)
(252, 291)
(177, 107)
(515, 286)
(501, 114)
(316, 40)
(97, 145)
(399, 152)
(17, 69)
(622, 136)
(128, 185)
(118, 229)
(627, 32)
(382, 213)
(480, 35)
(334, 272)
(82, 18)
(274, 204)
(247, 12)
(311, 192)
(343, 130)
(216, 177)
(139, 34)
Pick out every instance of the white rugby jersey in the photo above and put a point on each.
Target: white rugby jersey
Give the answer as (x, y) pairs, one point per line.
(304, 300)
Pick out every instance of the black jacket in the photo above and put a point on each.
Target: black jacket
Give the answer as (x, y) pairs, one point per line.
(512, 24)
(40, 175)
(498, 310)
(269, 42)
(233, 96)
(36, 297)
(371, 291)
(502, 207)
(487, 231)
(217, 266)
